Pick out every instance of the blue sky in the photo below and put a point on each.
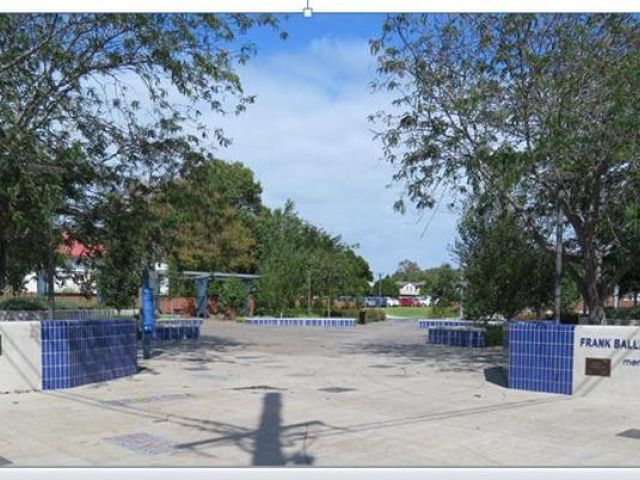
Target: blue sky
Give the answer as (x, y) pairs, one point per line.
(307, 139)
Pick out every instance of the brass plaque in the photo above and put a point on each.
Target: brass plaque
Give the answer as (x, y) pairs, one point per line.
(599, 367)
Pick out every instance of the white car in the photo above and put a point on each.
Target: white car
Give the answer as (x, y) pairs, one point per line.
(425, 301)
(393, 302)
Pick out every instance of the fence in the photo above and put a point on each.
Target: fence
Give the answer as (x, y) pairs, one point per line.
(80, 314)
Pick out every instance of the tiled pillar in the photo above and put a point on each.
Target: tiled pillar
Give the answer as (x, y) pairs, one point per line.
(541, 357)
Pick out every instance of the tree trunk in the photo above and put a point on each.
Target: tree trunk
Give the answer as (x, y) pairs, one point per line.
(593, 287)
(50, 269)
(3, 263)
(51, 295)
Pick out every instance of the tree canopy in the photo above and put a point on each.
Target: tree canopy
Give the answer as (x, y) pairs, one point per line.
(536, 109)
(293, 251)
(95, 104)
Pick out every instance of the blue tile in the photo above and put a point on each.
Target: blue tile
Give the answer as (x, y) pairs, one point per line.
(540, 357)
(85, 351)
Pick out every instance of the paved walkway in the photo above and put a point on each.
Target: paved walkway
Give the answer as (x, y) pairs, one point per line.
(374, 395)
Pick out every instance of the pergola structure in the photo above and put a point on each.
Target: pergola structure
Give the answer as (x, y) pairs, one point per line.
(202, 280)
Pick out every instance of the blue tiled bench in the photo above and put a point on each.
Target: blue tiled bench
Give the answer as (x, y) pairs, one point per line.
(77, 352)
(176, 330)
(457, 336)
(302, 322)
(541, 357)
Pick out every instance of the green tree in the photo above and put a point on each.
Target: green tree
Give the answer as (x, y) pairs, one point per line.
(443, 285)
(292, 250)
(66, 87)
(283, 260)
(233, 296)
(122, 253)
(386, 286)
(557, 95)
(503, 271)
(208, 216)
(408, 271)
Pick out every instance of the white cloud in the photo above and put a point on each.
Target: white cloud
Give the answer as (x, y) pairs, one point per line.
(307, 138)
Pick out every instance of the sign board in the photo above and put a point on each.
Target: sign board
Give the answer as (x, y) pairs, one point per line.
(606, 361)
(599, 367)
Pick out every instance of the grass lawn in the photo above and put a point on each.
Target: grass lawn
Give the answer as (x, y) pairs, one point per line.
(417, 312)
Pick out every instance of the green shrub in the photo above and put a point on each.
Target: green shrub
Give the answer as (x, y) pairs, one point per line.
(445, 311)
(375, 315)
(64, 304)
(570, 318)
(493, 337)
(23, 303)
(233, 296)
(623, 313)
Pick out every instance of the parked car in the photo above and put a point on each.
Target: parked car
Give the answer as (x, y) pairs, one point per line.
(392, 302)
(375, 302)
(424, 301)
(409, 302)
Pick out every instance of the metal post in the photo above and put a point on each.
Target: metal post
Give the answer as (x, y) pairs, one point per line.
(558, 273)
(380, 288)
(309, 292)
(147, 314)
(202, 309)
(148, 321)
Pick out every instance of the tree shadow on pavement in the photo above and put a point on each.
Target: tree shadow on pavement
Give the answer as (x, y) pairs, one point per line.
(445, 359)
(206, 349)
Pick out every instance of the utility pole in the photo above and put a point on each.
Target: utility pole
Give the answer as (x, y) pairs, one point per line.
(558, 273)
(380, 285)
(309, 292)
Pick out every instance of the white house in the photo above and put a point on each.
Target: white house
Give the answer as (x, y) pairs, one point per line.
(71, 277)
(409, 289)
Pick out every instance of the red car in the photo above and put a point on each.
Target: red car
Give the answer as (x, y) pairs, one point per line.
(409, 302)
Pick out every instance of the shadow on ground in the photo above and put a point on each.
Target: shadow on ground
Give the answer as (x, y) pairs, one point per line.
(496, 375)
(266, 443)
(445, 359)
(206, 349)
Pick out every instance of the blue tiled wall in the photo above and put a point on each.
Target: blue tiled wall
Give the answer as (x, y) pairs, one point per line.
(541, 357)
(457, 336)
(429, 323)
(177, 330)
(302, 322)
(77, 352)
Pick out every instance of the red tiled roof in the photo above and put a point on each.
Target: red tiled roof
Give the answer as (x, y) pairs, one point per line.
(73, 248)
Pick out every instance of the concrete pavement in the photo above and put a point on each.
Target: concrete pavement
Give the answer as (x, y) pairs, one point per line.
(374, 395)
